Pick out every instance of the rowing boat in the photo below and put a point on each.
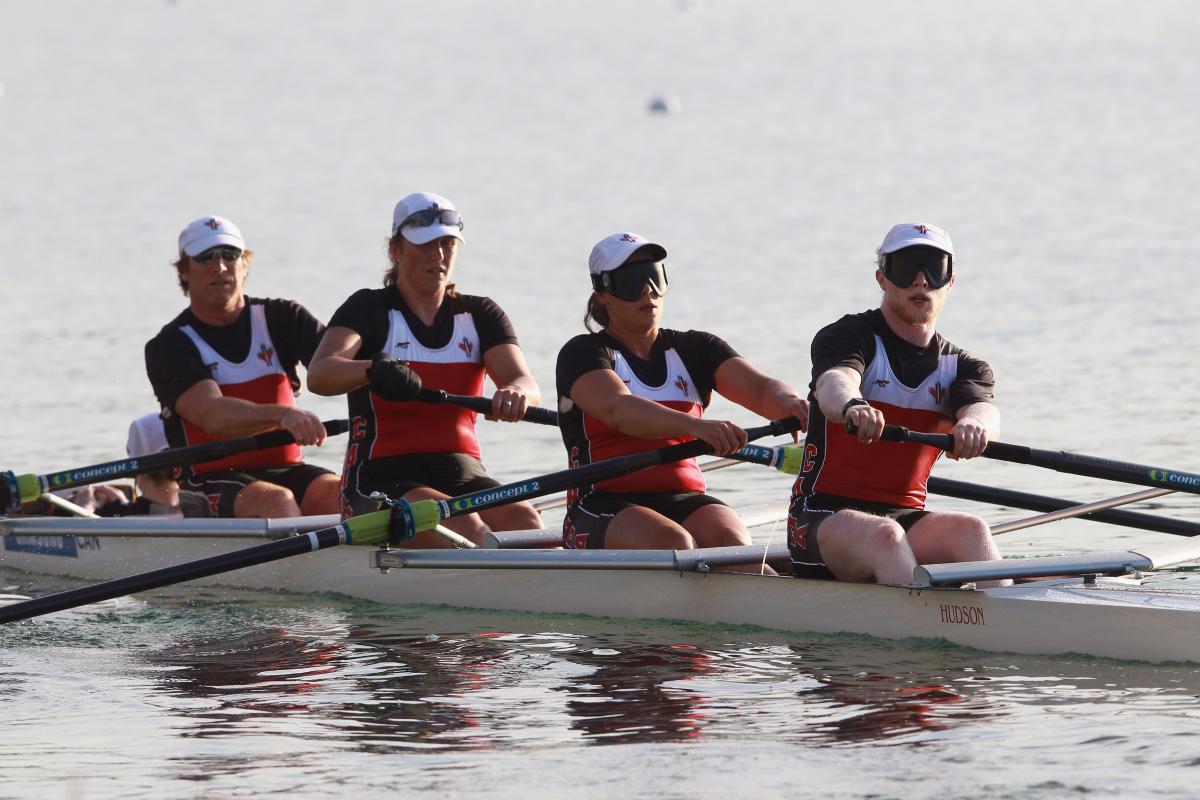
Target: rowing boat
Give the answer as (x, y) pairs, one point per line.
(1100, 604)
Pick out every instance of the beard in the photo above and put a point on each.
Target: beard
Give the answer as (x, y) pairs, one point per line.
(911, 315)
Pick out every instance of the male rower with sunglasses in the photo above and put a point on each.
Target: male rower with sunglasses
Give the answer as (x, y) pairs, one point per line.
(226, 368)
(858, 505)
(634, 386)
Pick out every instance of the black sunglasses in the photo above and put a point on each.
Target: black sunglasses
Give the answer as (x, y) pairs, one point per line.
(902, 266)
(432, 216)
(627, 281)
(227, 254)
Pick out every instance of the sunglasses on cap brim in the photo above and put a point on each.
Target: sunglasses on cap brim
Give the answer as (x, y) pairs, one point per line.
(627, 281)
(432, 216)
(902, 267)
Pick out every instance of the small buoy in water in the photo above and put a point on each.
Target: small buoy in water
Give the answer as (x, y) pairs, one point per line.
(664, 104)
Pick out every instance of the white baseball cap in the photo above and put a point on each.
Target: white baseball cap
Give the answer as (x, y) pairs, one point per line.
(146, 436)
(912, 234)
(207, 233)
(425, 201)
(613, 251)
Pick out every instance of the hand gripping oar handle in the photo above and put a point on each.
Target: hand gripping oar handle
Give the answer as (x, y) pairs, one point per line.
(368, 529)
(18, 489)
(1062, 461)
(542, 416)
(410, 518)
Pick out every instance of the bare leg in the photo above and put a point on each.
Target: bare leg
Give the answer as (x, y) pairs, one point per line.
(720, 526)
(863, 547)
(322, 496)
(265, 500)
(639, 528)
(947, 537)
(514, 517)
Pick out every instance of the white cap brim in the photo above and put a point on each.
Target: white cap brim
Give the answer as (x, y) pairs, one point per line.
(428, 234)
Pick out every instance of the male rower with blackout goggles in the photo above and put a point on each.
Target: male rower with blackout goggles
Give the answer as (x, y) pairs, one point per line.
(858, 505)
(633, 386)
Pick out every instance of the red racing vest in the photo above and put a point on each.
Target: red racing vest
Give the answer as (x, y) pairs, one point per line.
(457, 367)
(259, 379)
(887, 472)
(678, 391)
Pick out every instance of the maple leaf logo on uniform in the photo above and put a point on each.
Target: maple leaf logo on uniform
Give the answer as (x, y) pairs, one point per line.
(922, 228)
(681, 384)
(213, 223)
(266, 354)
(938, 392)
(630, 237)
(467, 346)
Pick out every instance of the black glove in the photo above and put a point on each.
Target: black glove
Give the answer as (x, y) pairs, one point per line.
(392, 380)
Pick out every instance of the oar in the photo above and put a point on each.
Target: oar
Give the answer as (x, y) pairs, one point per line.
(406, 386)
(542, 416)
(787, 458)
(18, 489)
(1062, 461)
(393, 525)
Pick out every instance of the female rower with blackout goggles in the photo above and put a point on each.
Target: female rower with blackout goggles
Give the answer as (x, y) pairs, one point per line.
(383, 344)
(633, 386)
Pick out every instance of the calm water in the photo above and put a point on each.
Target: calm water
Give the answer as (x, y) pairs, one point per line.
(1054, 141)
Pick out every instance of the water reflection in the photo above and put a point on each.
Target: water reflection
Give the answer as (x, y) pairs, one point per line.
(639, 694)
(387, 683)
(373, 679)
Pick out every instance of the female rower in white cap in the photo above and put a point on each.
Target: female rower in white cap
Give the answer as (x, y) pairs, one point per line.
(419, 323)
(633, 386)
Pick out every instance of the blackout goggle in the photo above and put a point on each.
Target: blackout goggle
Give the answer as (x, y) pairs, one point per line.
(902, 266)
(432, 216)
(227, 254)
(627, 281)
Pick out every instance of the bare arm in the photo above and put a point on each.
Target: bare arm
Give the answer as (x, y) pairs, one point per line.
(601, 394)
(741, 382)
(224, 417)
(516, 389)
(977, 424)
(334, 369)
(838, 386)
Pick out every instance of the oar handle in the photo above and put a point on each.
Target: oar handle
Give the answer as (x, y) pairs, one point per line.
(18, 489)
(542, 416)
(898, 433)
(1018, 454)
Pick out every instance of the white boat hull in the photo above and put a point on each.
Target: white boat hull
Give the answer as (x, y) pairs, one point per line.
(1112, 617)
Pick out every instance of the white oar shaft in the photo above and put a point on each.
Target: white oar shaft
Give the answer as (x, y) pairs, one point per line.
(68, 506)
(459, 542)
(1080, 510)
